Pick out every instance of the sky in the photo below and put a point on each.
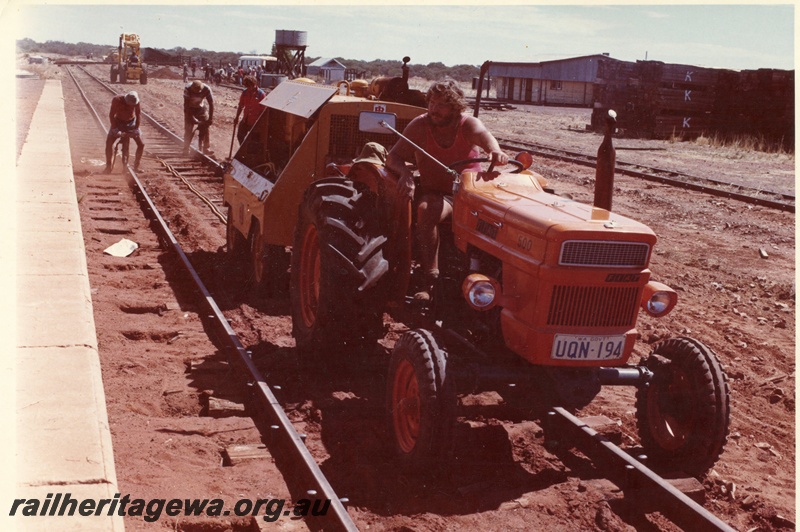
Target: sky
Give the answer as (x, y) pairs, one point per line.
(739, 37)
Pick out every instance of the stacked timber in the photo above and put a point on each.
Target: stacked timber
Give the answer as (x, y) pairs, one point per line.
(659, 100)
(759, 102)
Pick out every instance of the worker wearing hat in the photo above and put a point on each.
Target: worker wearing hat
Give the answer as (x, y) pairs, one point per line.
(124, 116)
(195, 112)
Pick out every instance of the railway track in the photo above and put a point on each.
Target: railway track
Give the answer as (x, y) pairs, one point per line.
(774, 200)
(201, 175)
(284, 439)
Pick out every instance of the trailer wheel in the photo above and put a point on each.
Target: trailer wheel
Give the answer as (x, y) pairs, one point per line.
(337, 266)
(268, 264)
(258, 267)
(421, 401)
(683, 415)
(234, 240)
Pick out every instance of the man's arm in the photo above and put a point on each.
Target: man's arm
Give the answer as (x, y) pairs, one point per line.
(403, 152)
(476, 133)
(210, 99)
(138, 115)
(239, 107)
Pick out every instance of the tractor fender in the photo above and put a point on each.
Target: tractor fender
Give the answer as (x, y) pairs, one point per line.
(394, 214)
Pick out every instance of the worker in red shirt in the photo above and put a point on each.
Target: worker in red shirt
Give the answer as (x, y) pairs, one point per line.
(249, 107)
(124, 117)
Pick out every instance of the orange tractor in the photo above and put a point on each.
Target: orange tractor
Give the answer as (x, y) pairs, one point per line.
(538, 296)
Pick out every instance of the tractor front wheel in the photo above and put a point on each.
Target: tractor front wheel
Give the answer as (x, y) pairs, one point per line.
(683, 414)
(421, 401)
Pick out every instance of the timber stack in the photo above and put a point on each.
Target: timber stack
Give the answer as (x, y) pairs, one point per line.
(659, 100)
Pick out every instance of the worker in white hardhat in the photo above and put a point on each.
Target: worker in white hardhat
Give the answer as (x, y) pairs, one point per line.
(124, 117)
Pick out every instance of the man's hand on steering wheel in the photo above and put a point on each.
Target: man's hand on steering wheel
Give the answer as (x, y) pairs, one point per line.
(519, 166)
(499, 158)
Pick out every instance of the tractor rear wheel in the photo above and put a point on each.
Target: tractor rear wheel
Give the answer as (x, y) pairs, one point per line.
(421, 401)
(683, 414)
(337, 265)
(143, 78)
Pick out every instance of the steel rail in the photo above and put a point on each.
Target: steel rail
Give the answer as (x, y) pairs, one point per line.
(636, 480)
(715, 190)
(642, 486)
(190, 186)
(283, 436)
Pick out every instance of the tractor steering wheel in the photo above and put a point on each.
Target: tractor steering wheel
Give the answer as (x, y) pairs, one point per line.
(519, 166)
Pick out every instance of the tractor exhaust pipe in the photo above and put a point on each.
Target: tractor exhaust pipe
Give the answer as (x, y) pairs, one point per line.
(606, 160)
(484, 70)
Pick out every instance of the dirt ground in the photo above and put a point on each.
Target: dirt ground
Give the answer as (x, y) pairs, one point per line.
(732, 264)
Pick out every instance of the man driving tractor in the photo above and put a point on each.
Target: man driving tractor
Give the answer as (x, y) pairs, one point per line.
(449, 136)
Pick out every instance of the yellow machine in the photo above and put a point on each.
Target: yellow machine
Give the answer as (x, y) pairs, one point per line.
(127, 62)
(304, 127)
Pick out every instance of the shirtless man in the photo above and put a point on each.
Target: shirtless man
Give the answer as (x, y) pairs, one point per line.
(198, 108)
(449, 136)
(124, 116)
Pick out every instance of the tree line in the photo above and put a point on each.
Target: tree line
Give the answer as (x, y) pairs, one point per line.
(375, 68)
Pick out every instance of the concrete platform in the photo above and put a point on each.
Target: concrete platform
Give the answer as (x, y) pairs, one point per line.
(63, 442)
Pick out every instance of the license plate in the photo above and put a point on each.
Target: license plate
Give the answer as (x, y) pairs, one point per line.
(574, 347)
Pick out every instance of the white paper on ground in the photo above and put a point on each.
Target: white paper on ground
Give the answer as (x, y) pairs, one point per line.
(123, 248)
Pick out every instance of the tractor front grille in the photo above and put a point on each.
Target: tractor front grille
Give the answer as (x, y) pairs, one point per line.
(346, 141)
(593, 306)
(604, 253)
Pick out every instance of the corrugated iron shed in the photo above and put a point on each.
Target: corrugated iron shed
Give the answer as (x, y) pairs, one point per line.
(581, 69)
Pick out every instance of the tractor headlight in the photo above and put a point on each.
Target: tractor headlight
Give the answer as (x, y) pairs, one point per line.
(480, 291)
(658, 303)
(658, 299)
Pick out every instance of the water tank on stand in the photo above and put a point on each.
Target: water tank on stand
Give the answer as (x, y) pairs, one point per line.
(290, 48)
(291, 38)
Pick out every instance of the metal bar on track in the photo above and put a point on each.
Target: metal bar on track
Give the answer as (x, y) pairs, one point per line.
(670, 501)
(289, 438)
(588, 160)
